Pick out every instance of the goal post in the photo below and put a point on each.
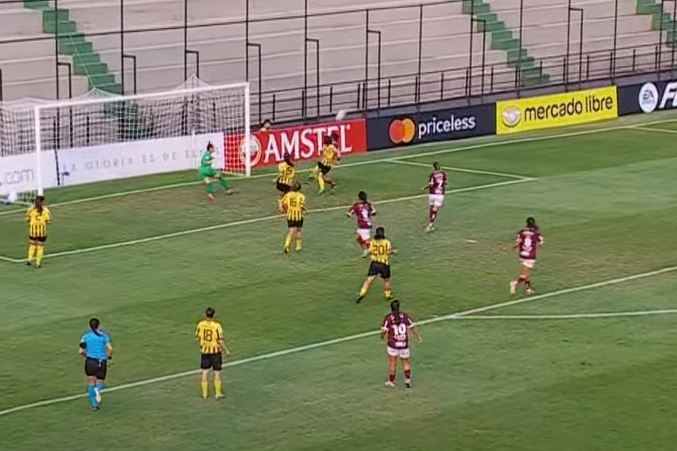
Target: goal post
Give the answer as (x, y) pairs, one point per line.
(103, 137)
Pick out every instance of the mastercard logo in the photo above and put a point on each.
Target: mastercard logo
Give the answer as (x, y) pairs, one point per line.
(402, 131)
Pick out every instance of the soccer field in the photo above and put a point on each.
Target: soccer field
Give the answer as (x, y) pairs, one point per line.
(586, 364)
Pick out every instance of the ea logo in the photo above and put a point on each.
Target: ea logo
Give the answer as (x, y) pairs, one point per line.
(648, 97)
(402, 131)
(255, 150)
(511, 116)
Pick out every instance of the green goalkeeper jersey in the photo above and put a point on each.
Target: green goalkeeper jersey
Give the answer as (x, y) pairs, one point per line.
(206, 169)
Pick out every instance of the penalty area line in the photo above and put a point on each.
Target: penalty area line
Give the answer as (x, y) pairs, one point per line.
(322, 344)
(570, 316)
(259, 219)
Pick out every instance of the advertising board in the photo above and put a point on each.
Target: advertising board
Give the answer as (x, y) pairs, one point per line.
(556, 110)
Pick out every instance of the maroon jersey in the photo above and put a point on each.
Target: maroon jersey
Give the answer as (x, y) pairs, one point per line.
(527, 242)
(363, 211)
(397, 326)
(437, 183)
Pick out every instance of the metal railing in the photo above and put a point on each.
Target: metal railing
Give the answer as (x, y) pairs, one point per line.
(372, 91)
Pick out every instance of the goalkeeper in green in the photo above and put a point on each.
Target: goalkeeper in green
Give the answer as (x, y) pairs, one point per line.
(209, 175)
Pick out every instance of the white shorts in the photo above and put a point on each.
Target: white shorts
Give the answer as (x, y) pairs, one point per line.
(365, 234)
(402, 353)
(528, 262)
(436, 200)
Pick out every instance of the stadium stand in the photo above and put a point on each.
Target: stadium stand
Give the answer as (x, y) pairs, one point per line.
(90, 39)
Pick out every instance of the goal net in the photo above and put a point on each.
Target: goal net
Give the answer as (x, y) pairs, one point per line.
(104, 137)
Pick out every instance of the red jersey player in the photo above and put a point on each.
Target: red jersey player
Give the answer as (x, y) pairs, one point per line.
(528, 240)
(437, 185)
(363, 211)
(395, 330)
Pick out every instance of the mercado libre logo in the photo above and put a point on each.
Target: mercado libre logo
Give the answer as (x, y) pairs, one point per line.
(402, 131)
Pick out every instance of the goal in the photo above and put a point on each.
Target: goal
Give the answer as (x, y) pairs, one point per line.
(103, 137)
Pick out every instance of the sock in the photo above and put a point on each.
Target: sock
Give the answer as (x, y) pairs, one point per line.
(92, 395)
(407, 375)
(218, 387)
(527, 283)
(31, 252)
(287, 242)
(210, 188)
(224, 183)
(432, 214)
(299, 246)
(320, 181)
(205, 389)
(315, 170)
(39, 254)
(391, 377)
(521, 279)
(100, 386)
(363, 291)
(388, 293)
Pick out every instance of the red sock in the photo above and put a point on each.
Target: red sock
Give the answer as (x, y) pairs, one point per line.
(527, 283)
(521, 279)
(407, 375)
(391, 377)
(432, 214)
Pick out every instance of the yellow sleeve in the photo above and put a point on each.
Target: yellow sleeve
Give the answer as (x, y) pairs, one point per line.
(28, 214)
(197, 331)
(49, 214)
(280, 168)
(219, 331)
(285, 200)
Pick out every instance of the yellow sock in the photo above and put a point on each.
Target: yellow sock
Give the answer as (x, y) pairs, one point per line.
(320, 181)
(205, 389)
(218, 387)
(388, 293)
(31, 252)
(39, 254)
(363, 291)
(287, 242)
(299, 246)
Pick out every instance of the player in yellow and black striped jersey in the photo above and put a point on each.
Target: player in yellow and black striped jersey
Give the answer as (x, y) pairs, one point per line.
(209, 336)
(38, 218)
(286, 175)
(380, 250)
(330, 157)
(294, 204)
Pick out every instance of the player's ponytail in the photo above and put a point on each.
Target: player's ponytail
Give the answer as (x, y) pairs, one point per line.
(94, 325)
(381, 235)
(395, 308)
(531, 223)
(362, 196)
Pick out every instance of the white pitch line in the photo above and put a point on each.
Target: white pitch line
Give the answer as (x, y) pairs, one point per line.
(602, 315)
(467, 170)
(322, 344)
(255, 220)
(481, 145)
(652, 129)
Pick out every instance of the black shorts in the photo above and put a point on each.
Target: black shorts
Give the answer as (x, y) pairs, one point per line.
(211, 362)
(96, 367)
(40, 239)
(283, 188)
(324, 169)
(298, 223)
(379, 269)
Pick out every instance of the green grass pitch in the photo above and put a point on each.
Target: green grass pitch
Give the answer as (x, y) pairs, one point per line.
(540, 373)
